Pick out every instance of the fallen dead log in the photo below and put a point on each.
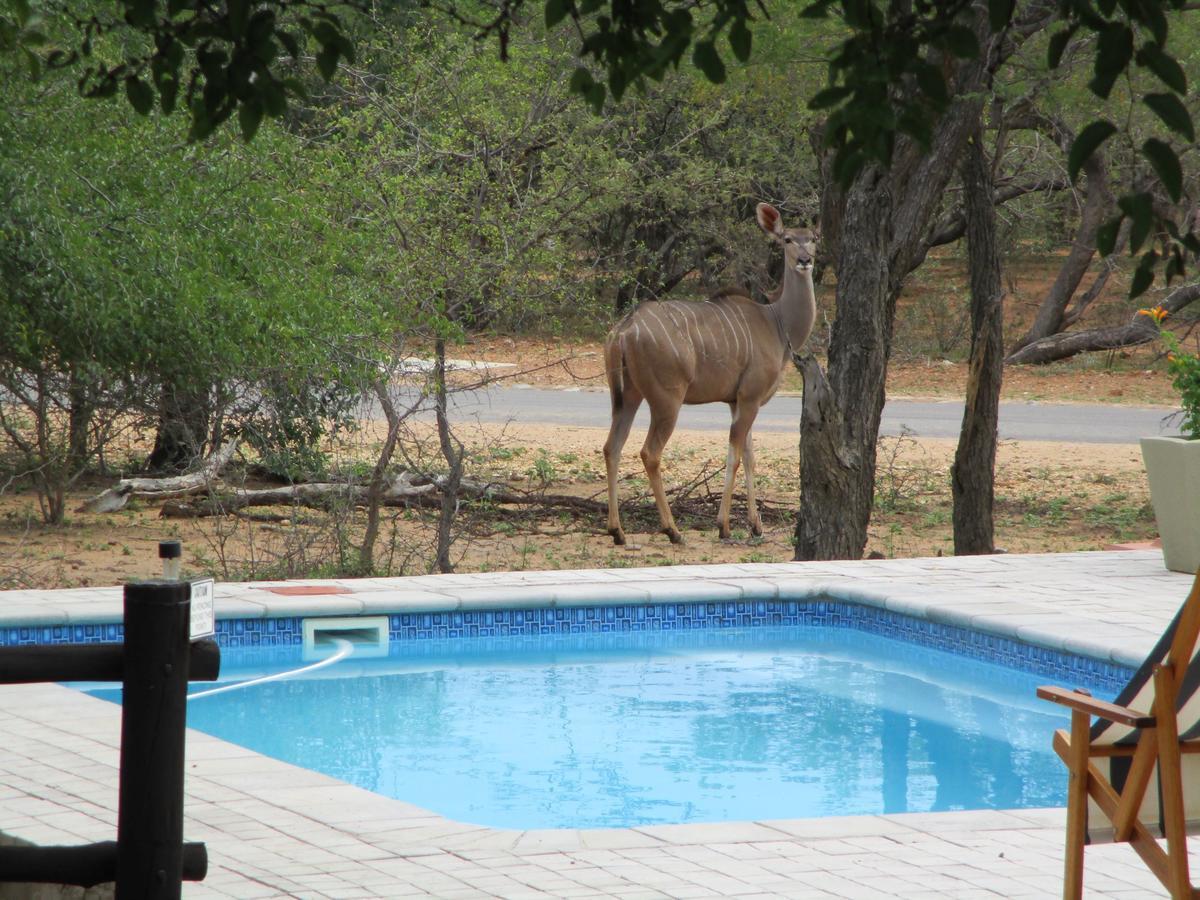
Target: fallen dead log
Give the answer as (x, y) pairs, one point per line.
(1139, 330)
(115, 498)
(405, 491)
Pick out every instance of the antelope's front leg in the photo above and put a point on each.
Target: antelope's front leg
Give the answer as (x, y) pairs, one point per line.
(756, 528)
(739, 432)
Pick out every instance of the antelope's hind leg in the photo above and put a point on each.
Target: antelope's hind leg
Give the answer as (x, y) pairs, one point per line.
(618, 434)
(662, 423)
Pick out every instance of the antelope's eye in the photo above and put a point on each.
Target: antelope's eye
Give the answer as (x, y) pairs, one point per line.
(787, 240)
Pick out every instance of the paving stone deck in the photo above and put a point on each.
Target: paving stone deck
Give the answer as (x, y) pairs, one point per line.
(274, 830)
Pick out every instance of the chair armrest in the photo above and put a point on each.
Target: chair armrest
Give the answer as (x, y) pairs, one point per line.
(1121, 715)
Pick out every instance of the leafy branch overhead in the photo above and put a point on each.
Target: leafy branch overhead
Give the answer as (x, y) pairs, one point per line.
(889, 71)
(214, 59)
(1135, 35)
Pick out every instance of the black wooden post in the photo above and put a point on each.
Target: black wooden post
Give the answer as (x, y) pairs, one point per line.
(153, 719)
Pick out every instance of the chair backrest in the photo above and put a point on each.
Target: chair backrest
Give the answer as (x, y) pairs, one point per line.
(1179, 649)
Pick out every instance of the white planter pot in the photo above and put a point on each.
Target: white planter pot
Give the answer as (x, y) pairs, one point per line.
(1173, 468)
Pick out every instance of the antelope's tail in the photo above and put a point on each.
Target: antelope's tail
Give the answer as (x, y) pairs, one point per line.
(614, 370)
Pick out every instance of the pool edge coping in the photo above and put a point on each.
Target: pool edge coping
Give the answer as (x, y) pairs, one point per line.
(571, 589)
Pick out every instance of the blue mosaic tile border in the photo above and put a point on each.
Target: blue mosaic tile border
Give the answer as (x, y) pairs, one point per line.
(230, 633)
(695, 617)
(1003, 651)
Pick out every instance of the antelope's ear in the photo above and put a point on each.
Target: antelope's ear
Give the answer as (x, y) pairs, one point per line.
(769, 219)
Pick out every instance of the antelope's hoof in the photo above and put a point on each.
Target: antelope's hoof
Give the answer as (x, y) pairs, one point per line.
(618, 536)
(674, 536)
(756, 529)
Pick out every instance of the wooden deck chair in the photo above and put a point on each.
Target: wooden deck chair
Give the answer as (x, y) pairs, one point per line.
(1138, 771)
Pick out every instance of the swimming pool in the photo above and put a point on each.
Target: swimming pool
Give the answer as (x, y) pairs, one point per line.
(626, 729)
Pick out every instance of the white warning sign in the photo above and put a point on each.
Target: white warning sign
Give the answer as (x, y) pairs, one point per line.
(204, 617)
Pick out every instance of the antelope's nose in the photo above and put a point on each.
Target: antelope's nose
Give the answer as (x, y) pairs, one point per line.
(804, 264)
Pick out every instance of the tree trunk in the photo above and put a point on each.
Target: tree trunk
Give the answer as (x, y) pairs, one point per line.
(182, 428)
(973, 473)
(79, 420)
(882, 223)
(452, 452)
(839, 423)
(1097, 205)
(377, 485)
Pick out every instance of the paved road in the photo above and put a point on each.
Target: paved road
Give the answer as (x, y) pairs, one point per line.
(1073, 423)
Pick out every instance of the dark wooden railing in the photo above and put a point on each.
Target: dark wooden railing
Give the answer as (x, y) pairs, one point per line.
(149, 858)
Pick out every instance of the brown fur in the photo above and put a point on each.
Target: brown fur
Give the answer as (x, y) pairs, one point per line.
(728, 349)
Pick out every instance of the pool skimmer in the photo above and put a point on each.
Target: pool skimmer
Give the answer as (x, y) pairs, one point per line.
(368, 634)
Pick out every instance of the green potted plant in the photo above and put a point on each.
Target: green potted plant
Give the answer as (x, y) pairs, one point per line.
(1173, 463)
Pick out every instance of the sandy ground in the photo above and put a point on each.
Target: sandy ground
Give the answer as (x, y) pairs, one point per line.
(1050, 497)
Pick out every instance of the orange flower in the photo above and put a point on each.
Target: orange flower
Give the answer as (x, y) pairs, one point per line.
(1157, 313)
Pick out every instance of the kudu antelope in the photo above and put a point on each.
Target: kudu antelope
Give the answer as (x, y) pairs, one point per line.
(727, 348)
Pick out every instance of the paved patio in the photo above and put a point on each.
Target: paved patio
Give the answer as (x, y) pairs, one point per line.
(274, 830)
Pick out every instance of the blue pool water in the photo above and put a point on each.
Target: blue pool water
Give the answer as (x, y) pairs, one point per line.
(588, 731)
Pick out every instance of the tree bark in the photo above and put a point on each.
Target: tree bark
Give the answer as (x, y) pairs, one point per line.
(182, 428)
(375, 488)
(972, 475)
(883, 220)
(1097, 205)
(1138, 330)
(115, 498)
(452, 452)
(839, 422)
(881, 224)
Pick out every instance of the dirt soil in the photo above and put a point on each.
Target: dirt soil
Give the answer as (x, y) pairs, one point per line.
(1050, 497)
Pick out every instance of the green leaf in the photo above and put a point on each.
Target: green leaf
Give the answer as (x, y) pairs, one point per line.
(999, 13)
(1174, 114)
(327, 61)
(961, 41)
(1140, 209)
(708, 61)
(238, 13)
(827, 97)
(1143, 275)
(556, 11)
(932, 81)
(250, 115)
(847, 163)
(168, 90)
(1163, 65)
(595, 97)
(1166, 165)
(1106, 236)
(141, 97)
(1058, 46)
(290, 44)
(740, 40)
(1114, 50)
(581, 81)
(202, 125)
(272, 96)
(1152, 16)
(1175, 266)
(1086, 143)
